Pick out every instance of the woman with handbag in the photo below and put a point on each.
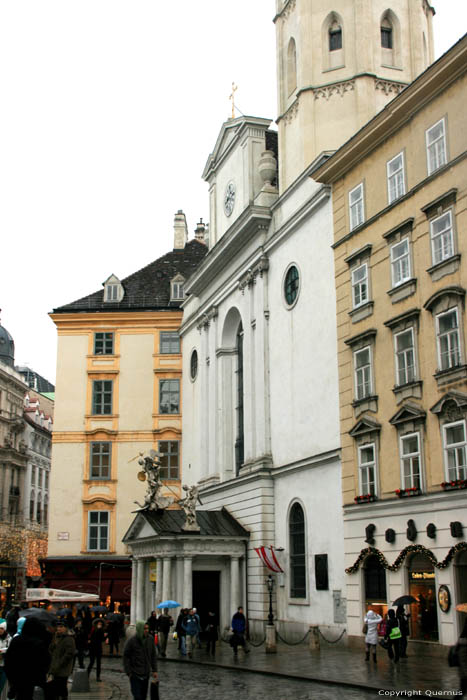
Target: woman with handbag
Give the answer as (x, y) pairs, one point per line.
(370, 630)
(393, 636)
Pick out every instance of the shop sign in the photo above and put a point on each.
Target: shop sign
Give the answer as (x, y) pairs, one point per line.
(422, 575)
(63, 535)
(153, 571)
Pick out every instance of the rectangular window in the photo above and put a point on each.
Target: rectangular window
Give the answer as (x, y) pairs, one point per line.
(411, 461)
(178, 290)
(103, 343)
(442, 237)
(169, 450)
(362, 359)
(102, 397)
(448, 340)
(455, 451)
(111, 292)
(169, 343)
(436, 146)
(98, 530)
(360, 285)
(367, 468)
(405, 357)
(169, 396)
(335, 39)
(396, 179)
(356, 208)
(400, 262)
(100, 453)
(386, 37)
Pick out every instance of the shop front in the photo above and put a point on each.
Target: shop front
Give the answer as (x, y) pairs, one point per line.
(422, 586)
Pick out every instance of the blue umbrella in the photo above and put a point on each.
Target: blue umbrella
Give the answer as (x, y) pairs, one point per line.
(168, 604)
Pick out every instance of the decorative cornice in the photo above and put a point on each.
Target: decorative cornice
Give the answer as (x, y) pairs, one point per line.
(210, 315)
(327, 91)
(286, 11)
(249, 278)
(389, 86)
(291, 113)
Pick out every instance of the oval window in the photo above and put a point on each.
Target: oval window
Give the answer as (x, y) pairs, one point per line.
(291, 285)
(194, 364)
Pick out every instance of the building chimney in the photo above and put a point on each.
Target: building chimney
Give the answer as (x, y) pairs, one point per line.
(180, 230)
(200, 231)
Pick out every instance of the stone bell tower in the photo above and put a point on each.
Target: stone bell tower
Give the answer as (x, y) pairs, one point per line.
(339, 62)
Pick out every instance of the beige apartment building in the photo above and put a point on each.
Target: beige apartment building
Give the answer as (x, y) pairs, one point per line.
(118, 394)
(400, 218)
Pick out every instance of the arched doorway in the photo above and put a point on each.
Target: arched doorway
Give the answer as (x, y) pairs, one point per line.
(461, 585)
(374, 575)
(422, 586)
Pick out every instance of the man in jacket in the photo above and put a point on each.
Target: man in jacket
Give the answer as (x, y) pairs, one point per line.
(27, 659)
(191, 626)
(164, 623)
(63, 652)
(239, 628)
(140, 660)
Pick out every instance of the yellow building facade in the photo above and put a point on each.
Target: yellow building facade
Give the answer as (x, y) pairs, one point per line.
(400, 211)
(118, 394)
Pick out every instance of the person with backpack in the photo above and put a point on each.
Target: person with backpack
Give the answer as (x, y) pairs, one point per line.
(403, 621)
(393, 636)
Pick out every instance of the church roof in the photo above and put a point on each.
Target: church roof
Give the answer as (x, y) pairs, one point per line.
(148, 288)
(212, 523)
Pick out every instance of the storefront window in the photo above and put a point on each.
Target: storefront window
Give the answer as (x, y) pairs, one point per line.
(422, 586)
(375, 585)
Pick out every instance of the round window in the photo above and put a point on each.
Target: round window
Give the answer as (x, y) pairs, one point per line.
(291, 285)
(194, 364)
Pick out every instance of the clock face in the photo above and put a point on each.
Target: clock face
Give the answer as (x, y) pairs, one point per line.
(229, 198)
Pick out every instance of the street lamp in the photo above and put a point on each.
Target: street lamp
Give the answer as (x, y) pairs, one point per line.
(270, 586)
(270, 647)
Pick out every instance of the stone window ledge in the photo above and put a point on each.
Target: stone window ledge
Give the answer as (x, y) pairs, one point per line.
(454, 374)
(369, 403)
(446, 267)
(361, 312)
(402, 291)
(405, 391)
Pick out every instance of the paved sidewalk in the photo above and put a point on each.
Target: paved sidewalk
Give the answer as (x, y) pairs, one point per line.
(98, 691)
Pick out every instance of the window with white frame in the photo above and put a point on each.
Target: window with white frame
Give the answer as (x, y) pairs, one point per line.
(363, 383)
(455, 451)
(356, 207)
(98, 530)
(449, 354)
(367, 469)
(436, 146)
(169, 396)
(360, 285)
(405, 357)
(396, 178)
(400, 262)
(442, 237)
(410, 461)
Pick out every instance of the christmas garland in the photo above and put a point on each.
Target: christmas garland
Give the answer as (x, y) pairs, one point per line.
(411, 549)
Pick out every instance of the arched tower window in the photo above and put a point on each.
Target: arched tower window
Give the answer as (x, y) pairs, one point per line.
(239, 442)
(291, 67)
(333, 42)
(386, 34)
(297, 546)
(390, 39)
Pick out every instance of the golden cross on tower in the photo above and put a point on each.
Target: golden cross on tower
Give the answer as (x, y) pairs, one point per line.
(232, 97)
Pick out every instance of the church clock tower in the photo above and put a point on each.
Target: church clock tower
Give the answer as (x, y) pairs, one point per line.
(339, 62)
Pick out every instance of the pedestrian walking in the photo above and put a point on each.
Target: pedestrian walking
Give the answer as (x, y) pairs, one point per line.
(4, 643)
(198, 636)
(212, 634)
(81, 641)
(96, 640)
(181, 633)
(238, 628)
(164, 623)
(403, 621)
(191, 626)
(152, 622)
(140, 660)
(372, 620)
(393, 635)
(27, 660)
(462, 653)
(113, 635)
(62, 652)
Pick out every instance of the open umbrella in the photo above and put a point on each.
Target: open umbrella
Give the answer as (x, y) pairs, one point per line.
(462, 607)
(168, 604)
(405, 600)
(99, 608)
(41, 615)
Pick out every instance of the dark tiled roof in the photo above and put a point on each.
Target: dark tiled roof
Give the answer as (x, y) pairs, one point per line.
(212, 523)
(148, 288)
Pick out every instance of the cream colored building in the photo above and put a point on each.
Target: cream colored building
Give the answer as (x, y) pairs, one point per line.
(118, 394)
(400, 213)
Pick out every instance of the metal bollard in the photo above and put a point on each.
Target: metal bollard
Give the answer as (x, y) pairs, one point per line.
(314, 638)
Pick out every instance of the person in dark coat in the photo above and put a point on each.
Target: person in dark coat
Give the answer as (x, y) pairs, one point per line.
(403, 620)
(12, 617)
(212, 634)
(81, 641)
(238, 625)
(113, 634)
(96, 640)
(140, 660)
(393, 635)
(63, 651)
(27, 659)
(462, 652)
(164, 623)
(152, 622)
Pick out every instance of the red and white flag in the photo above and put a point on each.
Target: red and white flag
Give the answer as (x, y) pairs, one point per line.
(267, 556)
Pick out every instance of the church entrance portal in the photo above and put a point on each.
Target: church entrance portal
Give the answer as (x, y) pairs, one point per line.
(206, 592)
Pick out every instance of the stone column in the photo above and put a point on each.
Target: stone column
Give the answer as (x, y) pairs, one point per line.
(134, 583)
(234, 585)
(140, 591)
(166, 591)
(187, 582)
(160, 581)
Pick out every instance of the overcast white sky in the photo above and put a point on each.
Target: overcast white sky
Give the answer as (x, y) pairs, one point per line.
(109, 111)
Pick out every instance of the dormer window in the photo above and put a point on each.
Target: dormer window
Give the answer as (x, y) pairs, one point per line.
(113, 290)
(177, 288)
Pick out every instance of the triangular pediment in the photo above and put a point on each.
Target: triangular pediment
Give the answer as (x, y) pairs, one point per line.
(139, 529)
(456, 398)
(408, 412)
(364, 426)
